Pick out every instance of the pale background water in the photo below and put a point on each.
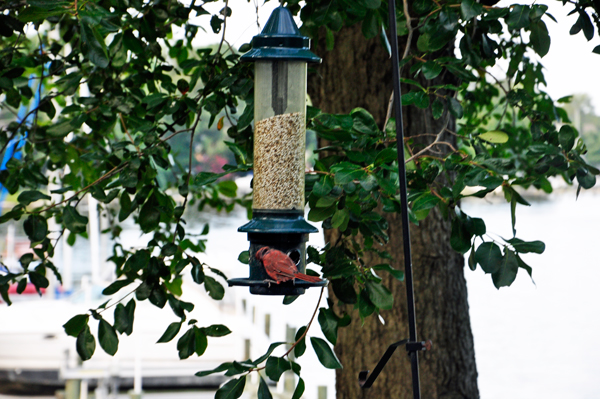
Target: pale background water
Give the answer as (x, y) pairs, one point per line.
(542, 340)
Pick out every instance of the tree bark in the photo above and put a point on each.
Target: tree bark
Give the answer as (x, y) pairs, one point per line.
(357, 73)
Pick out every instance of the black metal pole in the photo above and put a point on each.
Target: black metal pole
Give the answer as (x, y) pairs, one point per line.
(412, 322)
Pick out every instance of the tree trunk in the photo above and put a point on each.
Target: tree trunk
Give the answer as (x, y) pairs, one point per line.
(357, 73)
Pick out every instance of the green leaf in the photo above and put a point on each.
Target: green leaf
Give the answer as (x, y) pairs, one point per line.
(566, 137)
(25, 260)
(116, 286)
(232, 389)
(214, 288)
(539, 38)
(460, 238)
(149, 217)
(379, 295)
(38, 280)
(28, 196)
(76, 324)
(370, 25)
(204, 178)
(325, 354)
(276, 366)
(228, 188)
(340, 219)
(73, 221)
(455, 107)
(596, 50)
(35, 227)
(263, 390)
(85, 344)
(397, 274)
(431, 69)
(93, 45)
(170, 333)
(437, 108)
(201, 341)
(470, 9)
(524, 247)
(107, 336)
(124, 317)
(218, 369)
(329, 324)
(244, 257)
(518, 17)
(489, 256)
(494, 136)
(217, 330)
(186, 345)
(323, 186)
(299, 391)
(363, 122)
(300, 347)
(425, 201)
(507, 273)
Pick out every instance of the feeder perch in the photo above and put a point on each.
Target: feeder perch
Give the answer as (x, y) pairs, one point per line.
(280, 55)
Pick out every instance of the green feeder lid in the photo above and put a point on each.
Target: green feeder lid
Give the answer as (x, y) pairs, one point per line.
(280, 40)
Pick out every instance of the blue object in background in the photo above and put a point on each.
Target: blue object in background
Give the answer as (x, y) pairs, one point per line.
(13, 149)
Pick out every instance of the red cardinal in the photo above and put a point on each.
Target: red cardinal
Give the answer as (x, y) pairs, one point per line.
(280, 267)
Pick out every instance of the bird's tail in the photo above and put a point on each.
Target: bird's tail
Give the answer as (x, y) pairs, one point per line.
(306, 277)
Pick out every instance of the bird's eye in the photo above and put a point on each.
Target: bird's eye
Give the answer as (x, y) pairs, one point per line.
(294, 255)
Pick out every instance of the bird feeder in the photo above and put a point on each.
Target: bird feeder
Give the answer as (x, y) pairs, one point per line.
(280, 55)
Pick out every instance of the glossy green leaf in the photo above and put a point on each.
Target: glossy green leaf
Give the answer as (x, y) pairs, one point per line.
(38, 280)
(232, 389)
(379, 295)
(186, 345)
(201, 341)
(35, 227)
(94, 46)
(263, 390)
(74, 221)
(214, 288)
(325, 353)
(299, 391)
(114, 287)
(85, 344)
(397, 274)
(507, 272)
(300, 347)
(518, 17)
(28, 196)
(329, 324)
(539, 38)
(276, 366)
(217, 330)
(489, 257)
(470, 9)
(170, 333)
(76, 324)
(124, 316)
(107, 336)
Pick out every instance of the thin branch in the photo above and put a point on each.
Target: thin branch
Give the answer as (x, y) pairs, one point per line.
(101, 178)
(224, 26)
(305, 331)
(129, 135)
(308, 325)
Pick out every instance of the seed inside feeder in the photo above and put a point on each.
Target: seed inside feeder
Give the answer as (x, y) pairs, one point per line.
(279, 162)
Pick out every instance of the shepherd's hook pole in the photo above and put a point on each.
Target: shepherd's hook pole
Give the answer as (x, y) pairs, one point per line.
(412, 323)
